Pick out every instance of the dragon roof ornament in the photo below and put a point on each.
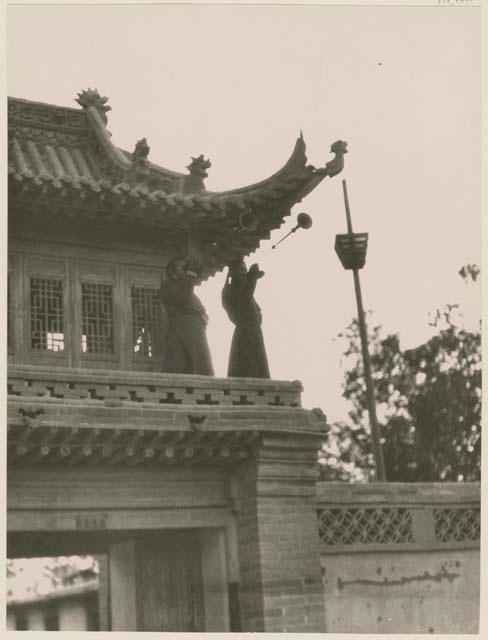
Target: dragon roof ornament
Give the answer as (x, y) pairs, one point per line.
(198, 166)
(336, 165)
(91, 98)
(193, 183)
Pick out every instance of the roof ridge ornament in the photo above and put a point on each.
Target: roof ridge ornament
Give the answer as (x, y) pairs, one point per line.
(141, 151)
(91, 98)
(193, 183)
(138, 171)
(336, 165)
(199, 166)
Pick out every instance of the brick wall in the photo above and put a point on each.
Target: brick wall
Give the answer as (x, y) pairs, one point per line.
(280, 580)
(400, 557)
(250, 596)
(292, 586)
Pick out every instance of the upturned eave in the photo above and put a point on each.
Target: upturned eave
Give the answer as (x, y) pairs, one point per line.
(63, 164)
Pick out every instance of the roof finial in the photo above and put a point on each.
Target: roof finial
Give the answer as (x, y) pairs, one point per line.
(198, 172)
(336, 165)
(91, 98)
(198, 166)
(141, 151)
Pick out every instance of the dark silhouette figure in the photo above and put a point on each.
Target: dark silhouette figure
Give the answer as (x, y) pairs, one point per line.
(247, 353)
(186, 346)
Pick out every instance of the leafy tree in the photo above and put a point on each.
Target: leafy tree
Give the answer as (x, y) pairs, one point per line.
(428, 404)
(37, 576)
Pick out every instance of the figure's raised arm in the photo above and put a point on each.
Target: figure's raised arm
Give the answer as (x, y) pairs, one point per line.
(253, 275)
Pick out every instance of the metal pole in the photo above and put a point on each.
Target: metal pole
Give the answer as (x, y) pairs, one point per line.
(370, 393)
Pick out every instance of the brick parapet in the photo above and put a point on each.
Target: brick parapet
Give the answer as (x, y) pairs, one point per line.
(152, 388)
(398, 516)
(60, 416)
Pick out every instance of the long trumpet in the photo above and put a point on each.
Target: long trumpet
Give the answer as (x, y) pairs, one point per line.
(304, 221)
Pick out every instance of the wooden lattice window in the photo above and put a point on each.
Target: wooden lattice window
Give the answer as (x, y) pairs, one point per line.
(46, 314)
(145, 320)
(97, 318)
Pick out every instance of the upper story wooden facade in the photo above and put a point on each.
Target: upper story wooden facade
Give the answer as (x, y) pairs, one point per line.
(91, 228)
(81, 306)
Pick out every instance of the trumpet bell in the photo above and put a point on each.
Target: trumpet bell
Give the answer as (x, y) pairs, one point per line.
(304, 221)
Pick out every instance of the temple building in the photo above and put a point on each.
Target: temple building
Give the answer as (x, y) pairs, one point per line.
(179, 480)
(198, 495)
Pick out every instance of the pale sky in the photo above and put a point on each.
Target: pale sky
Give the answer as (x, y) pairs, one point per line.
(238, 83)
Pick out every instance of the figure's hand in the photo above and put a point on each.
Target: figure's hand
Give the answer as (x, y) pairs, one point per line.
(254, 270)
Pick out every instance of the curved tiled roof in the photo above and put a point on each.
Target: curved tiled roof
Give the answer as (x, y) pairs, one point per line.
(67, 155)
(59, 593)
(65, 146)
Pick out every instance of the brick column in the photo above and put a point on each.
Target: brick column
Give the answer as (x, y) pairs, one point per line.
(280, 586)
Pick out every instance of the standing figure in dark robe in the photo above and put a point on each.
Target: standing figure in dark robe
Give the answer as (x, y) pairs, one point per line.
(186, 346)
(247, 353)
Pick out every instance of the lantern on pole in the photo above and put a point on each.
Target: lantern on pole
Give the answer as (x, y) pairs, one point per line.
(351, 248)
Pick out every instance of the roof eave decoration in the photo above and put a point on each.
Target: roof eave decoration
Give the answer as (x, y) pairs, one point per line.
(95, 106)
(75, 165)
(293, 181)
(193, 183)
(90, 98)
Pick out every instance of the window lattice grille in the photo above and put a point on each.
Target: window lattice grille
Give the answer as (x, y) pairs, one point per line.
(46, 314)
(145, 320)
(338, 526)
(97, 318)
(457, 525)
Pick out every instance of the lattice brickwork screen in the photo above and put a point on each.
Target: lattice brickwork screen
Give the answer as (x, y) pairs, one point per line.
(356, 525)
(145, 321)
(46, 314)
(457, 524)
(97, 318)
